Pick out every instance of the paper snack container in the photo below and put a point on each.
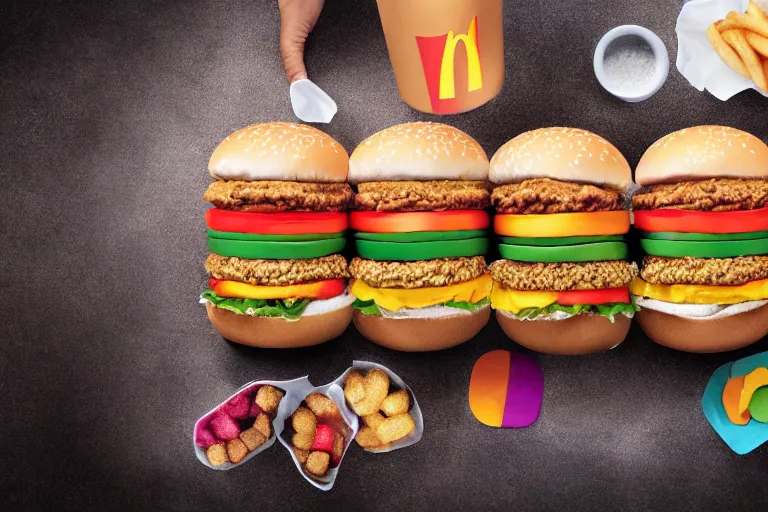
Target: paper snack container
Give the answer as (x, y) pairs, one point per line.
(395, 382)
(295, 391)
(697, 60)
(294, 399)
(248, 390)
(447, 55)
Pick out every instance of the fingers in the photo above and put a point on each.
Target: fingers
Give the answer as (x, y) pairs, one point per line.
(297, 19)
(292, 41)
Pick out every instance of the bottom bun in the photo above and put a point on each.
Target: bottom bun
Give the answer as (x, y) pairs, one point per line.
(421, 334)
(580, 334)
(705, 336)
(270, 332)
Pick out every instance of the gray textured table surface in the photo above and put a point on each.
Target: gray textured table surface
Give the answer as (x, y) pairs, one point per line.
(109, 112)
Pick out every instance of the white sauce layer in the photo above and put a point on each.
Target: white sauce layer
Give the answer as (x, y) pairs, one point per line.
(699, 311)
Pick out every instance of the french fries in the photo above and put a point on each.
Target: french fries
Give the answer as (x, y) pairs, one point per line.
(756, 12)
(737, 41)
(758, 42)
(753, 23)
(741, 40)
(725, 52)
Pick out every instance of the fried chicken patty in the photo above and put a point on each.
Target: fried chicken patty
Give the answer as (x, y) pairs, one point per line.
(279, 196)
(707, 271)
(561, 277)
(715, 195)
(420, 196)
(417, 274)
(276, 272)
(543, 195)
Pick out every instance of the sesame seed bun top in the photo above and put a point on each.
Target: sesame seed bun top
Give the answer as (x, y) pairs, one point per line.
(280, 151)
(563, 154)
(418, 152)
(703, 152)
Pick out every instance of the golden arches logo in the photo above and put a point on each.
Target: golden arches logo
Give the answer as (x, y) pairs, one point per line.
(438, 56)
(474, 72)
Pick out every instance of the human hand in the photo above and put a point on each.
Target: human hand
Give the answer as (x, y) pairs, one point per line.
(297, 19)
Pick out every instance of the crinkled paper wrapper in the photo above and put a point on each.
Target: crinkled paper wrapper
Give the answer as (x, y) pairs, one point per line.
(697, 60)
(295, 392)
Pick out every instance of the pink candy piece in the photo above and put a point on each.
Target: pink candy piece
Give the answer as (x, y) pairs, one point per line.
(205, 438)
(323, 441)
(238, 407)
(224, 427)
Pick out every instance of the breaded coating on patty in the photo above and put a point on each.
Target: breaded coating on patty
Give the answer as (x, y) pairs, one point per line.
(714, 195)
(707, 271)
(543, 195)
(279, 196)
(560, 277)
(417, 274)
(276, 272)
(422, 196)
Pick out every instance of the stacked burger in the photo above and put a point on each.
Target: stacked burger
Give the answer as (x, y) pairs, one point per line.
(420, 224)
(704, 226)
(562, 285)
(278, 225)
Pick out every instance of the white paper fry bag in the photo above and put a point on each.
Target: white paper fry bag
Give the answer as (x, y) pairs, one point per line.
(697, 60)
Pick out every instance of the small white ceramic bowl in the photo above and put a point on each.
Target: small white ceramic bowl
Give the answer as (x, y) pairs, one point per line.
(660, 55)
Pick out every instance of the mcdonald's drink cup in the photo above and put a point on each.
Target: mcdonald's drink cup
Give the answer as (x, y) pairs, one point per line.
(447, 55)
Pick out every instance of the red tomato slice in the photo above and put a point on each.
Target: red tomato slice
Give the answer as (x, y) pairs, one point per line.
(604, 296)
(687, 221)
(284, 223)
(407, 222)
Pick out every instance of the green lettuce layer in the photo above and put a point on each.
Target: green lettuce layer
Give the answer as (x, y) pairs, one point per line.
(290, 309)
(609, 310)
(369, 307)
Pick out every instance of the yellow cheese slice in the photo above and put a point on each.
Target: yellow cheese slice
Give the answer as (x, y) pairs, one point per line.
(700, 294)
(240, 290)
(752, 381)
(396, 298)
(515, 301)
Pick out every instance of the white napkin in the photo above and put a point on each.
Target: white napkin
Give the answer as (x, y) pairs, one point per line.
(310, 103)
(697, 61)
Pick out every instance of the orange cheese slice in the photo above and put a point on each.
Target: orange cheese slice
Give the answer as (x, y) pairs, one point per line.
(562, 224)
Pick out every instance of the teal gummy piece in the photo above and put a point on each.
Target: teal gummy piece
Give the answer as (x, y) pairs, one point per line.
(748, 364)
(742, 439)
